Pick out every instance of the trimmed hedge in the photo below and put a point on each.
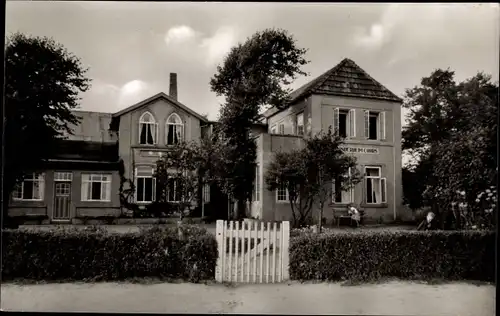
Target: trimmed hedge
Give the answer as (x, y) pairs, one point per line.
(96, 255)
(407, 255)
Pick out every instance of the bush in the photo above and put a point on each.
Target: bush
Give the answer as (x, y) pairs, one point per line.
(407, 255)
(96, 255)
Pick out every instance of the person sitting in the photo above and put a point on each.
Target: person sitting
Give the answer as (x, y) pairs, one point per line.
(354, 213)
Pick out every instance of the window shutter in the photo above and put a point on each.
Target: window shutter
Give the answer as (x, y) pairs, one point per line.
(383, 187)
(154, 189)
(352, 123)
(156, 133)
(367, 123)
(336, 121)
(382, 125)
(333, 190)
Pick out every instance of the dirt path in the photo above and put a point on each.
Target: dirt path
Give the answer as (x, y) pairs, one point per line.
(394, 298)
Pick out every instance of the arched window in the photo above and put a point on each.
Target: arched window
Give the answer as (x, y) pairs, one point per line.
(174, 129)
(148, 129)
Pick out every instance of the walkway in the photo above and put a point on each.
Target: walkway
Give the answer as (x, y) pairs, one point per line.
(394, 298)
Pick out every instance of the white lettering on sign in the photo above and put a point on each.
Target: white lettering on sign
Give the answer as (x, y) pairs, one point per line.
(360, 150)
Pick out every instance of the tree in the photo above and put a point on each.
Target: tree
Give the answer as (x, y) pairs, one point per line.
(452, 131)
(177, 176)
(43, 83)
(329, 165)
(254, 74)
(308, 174)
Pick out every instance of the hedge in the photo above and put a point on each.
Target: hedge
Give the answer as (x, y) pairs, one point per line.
(407, 255)
(96, 255)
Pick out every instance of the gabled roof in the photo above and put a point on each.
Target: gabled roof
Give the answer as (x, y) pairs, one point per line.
(345, 79)
(156, 97)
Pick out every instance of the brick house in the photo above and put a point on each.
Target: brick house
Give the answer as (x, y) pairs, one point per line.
(83, 178)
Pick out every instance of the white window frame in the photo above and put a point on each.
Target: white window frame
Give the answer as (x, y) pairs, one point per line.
(87, 181)
(351, 190)
(33, 178)
(256, 185)
(168, 189)
(62, 176)
(273, 129)
(350, 121)
(382, 186)
(278, 195)
(175, 120)
(281, 128)
(153, 124)
(206, 193)
(300, 126)
(144, 174)
(381, 124)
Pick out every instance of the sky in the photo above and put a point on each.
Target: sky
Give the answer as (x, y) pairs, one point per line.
(131, 47)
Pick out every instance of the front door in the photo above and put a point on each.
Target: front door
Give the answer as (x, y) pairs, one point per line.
(62, 201)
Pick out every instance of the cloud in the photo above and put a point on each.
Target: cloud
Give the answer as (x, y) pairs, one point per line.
(408, 31)
(219, 44)
(133, 92)
(179, 34)
(190, 44)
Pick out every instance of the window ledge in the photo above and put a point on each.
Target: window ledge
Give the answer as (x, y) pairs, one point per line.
(378, 205)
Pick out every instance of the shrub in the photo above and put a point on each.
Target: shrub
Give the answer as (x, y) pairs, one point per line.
(97, 255)
(410, 255)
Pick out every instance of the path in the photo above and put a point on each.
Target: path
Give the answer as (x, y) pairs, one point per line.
(394, 298)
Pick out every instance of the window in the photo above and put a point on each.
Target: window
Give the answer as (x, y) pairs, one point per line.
(31, 189)
(96, 187)
(281, 128)
(63, 176)
(273, 129)
(282, 193)
(206, 193)
(300, 124)
(174, 190)
(145, 187)
(376, 186)
(174, 130)
(256, 185)
(148, 129)
(374, 125)
(344, 122)
(339, 195)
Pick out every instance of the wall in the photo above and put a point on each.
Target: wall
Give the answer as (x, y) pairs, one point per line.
(288, 117)
(78, 207)
(320, 110)
(133, 153)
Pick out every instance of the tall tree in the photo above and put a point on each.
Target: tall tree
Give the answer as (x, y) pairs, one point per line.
(42, 85)
(452, 131)
(254, 74)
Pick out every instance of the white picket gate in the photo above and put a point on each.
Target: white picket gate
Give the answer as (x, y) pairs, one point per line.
(252, 253)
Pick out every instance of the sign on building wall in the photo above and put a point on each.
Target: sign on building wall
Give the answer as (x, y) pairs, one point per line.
(360, 150)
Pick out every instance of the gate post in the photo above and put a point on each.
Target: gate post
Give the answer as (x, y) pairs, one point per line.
(285, 237)
(219, 235)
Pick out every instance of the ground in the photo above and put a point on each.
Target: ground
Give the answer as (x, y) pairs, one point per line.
(392, 298)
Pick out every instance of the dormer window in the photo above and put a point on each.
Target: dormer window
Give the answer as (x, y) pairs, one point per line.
(148, 129)
(174, 129)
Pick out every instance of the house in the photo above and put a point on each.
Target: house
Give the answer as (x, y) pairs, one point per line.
(367, 114)
(83, 179)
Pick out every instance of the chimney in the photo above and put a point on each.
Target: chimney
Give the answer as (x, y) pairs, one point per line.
(173, 85)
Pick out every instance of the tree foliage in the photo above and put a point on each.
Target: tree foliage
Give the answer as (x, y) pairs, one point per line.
(254, 74)
(308, 173)
(452, 131)
(43, 82)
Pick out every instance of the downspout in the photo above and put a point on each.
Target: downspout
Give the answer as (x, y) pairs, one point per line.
(394, 162)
